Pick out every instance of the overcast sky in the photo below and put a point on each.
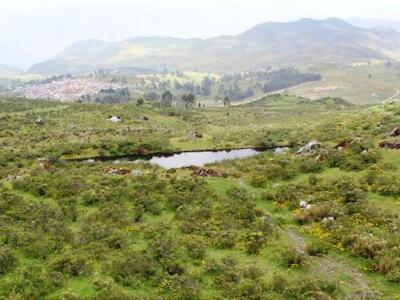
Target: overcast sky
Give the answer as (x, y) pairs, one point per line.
(42, 28)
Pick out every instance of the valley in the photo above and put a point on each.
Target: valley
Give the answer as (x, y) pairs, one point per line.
(260, 164)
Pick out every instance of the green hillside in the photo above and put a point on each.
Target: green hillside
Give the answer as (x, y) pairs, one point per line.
(317, 225)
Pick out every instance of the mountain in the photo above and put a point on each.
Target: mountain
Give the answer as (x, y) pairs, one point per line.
(375, 23)
(13, 56)
(6, 71)
(306, 41)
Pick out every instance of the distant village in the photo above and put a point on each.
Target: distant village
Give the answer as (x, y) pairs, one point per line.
(75, 89)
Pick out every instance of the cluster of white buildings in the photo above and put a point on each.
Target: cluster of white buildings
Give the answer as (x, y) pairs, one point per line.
(67, 90)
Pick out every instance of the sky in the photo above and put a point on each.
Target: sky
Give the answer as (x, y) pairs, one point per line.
(39, 29)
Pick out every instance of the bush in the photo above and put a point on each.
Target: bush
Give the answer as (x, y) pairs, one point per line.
(293, 257)
(130, 266)
(254, 242)
(7, 260)
(70, 264)
(196, 247)
(318, 248)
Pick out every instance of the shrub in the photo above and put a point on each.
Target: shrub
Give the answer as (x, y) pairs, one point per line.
(364, 245)
(7, 260)
(196, 247)
(310, 165)
(226, 239)
(293, 257)
(70, 264)
(318, 248)
(254, 242)
(130, 266)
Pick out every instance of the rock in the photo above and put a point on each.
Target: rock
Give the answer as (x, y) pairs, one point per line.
(10, 178)
(39, 121)
(342, 145)
(195, 134)
(203, 172)
(137, 173)
(328, 220)
(303, 204)
(395, 131)
(117, 171)
(389, 145)
(90, 161)
(311, 147)
(141, 150)
(282, 150)
(114, 119)
(44, 163)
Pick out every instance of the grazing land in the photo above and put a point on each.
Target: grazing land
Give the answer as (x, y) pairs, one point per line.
(313, 222)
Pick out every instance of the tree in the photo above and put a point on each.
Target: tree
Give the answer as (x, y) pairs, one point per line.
(189, 100)
(227, 101)
(206, 85)
(166, 99)
(140, 102)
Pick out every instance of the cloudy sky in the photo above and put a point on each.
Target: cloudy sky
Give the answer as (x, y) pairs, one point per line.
(41, 28)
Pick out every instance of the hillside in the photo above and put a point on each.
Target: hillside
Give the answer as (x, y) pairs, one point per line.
(6, 71)
(375, 23)
(301, 42)
(311, 224)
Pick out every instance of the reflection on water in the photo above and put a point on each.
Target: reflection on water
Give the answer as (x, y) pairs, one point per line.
(199, 158)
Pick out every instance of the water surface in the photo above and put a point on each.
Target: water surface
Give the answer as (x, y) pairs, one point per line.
(200, 158)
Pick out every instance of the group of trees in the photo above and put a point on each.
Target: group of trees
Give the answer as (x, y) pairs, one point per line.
(237, 87)
(186, 100)
(285, 78)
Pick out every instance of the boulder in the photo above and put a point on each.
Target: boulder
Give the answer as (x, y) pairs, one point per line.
(39, 121)
(203, 172)
(117, 171)
(395, 131)
(311, 147)
(137, 173)
(114, 119)
(44, 163)
(303, 204)
(389, 145)
(342, 145)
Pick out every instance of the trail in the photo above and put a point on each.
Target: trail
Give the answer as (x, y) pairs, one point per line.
(237, 103)
(392, 97)
(328, 267)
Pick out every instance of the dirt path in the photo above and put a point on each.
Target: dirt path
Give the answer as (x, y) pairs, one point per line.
(392, 97)
(328, 267)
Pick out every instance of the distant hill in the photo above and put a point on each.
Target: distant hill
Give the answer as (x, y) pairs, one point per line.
(301, 42)
(6, 71)
(12, 56)
(375, 23)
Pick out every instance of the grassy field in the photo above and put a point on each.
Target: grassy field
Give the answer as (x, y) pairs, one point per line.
(73, 230)
(359, 84)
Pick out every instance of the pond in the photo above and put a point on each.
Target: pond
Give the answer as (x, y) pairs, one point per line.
(180, 159)
(199, 158)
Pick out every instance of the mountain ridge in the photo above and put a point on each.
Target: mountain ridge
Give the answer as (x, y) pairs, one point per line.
(281, 43)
